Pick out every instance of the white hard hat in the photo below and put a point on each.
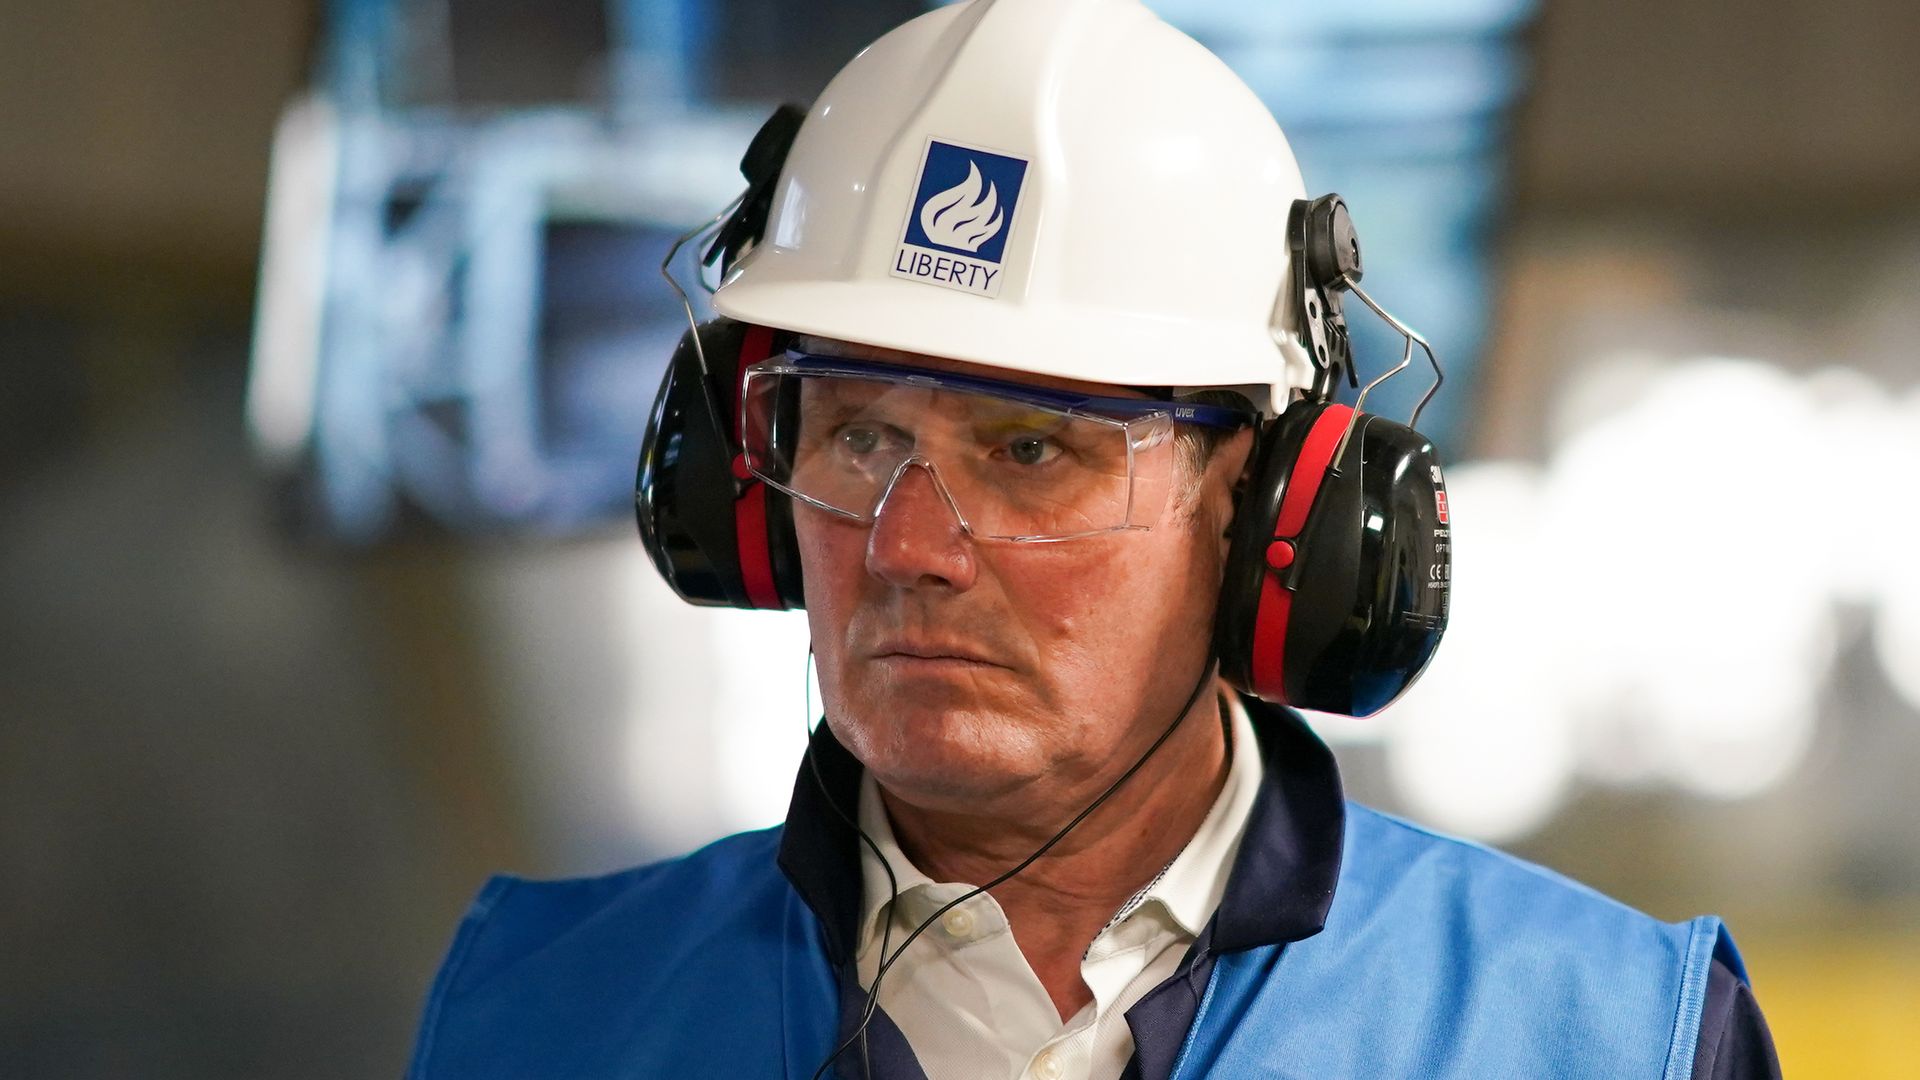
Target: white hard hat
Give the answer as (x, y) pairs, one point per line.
(1062, 187)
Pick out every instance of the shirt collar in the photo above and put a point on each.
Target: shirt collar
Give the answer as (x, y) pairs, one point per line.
(875, 888)
(1283, 872)
(1192, 884)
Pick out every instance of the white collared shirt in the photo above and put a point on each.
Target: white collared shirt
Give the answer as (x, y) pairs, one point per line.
(964, 995)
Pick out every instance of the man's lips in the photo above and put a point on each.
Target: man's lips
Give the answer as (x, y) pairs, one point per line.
(957, 652)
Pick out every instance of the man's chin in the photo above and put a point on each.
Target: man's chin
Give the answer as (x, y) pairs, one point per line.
(943, 759)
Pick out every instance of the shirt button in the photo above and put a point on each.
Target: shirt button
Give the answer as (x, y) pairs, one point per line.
(958, 923)
(1048, 1066)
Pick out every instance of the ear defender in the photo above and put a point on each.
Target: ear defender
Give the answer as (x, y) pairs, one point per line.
(1339, 560)
(1337, 572)
(714, 531)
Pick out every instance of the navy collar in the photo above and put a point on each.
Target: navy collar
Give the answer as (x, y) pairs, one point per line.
(1279, 890)
(820, 848)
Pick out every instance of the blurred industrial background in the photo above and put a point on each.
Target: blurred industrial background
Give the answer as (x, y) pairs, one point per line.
(328, 330)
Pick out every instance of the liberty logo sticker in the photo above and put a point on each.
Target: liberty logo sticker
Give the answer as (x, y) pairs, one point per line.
(962, 212)
(963, 216)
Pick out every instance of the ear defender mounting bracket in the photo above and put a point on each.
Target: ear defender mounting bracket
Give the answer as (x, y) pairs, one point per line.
(761, 166)
(1325, 254)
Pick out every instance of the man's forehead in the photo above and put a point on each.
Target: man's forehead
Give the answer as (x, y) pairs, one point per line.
(853, 350)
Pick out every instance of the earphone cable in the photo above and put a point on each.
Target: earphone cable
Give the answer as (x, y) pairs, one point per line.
(893, 883)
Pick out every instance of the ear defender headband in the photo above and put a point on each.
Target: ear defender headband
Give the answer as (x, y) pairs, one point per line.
(1337, 574)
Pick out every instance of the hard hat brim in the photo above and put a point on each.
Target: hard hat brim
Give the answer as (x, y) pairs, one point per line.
(1119, 348)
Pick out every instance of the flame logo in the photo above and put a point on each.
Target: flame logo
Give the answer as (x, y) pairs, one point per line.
(961, 217)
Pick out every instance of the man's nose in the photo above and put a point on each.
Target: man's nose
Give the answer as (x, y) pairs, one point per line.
(917, 539)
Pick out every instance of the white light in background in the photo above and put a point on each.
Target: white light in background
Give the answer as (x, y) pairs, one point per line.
(761, 711)
(284, 376)
(714, 707)
(1658, 604)
(1896, 641)
(1698, 634)
(1891, 519)
(1855, 509)
(1481, 743)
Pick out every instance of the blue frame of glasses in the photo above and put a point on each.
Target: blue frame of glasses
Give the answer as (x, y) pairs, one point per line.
(1116, 408)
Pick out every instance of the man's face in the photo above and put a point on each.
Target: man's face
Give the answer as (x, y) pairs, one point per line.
(962, 671)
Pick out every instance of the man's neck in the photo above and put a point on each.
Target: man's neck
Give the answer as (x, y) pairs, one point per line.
(1057, 906)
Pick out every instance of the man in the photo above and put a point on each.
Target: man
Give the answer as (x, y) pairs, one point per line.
(1022, 393)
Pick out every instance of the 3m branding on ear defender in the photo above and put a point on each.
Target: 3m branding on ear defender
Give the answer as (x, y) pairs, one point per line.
(1336, 586)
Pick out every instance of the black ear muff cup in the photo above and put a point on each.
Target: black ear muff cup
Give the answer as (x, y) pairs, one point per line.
(1338, 566)
(717, 535)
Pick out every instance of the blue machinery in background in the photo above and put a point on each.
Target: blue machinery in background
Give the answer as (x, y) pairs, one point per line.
(459, 321)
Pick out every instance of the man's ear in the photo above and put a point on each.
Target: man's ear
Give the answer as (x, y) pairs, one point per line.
(1228, 471)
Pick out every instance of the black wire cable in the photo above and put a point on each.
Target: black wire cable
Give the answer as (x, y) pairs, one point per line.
(893, 883)
(888, 960)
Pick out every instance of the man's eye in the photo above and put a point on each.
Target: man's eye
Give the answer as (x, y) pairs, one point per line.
(860, 440)
(1032, 450)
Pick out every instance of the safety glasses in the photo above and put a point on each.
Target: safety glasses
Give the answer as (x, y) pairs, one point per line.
(1013, 462)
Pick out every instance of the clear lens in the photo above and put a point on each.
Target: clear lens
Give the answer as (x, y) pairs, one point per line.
(1015, 466)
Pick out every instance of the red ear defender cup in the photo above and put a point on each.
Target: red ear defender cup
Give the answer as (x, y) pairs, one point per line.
(716, 533)
(1337, 575)
(751, 527)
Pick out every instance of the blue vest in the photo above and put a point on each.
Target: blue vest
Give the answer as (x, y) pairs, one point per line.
(1438, 958)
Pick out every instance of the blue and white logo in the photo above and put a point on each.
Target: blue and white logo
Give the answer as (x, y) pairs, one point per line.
(962, 212)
